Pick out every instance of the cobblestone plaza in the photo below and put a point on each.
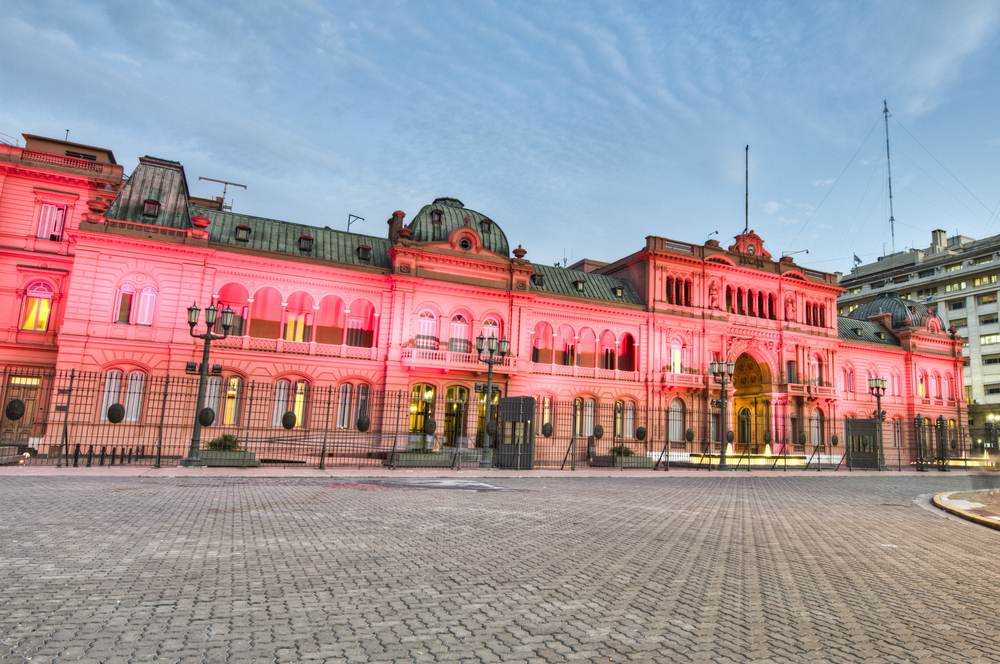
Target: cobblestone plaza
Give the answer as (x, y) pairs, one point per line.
(715, 568)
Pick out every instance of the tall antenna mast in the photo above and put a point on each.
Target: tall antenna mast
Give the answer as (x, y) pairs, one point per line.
(225, 185)
(746, 226)
(888, 165)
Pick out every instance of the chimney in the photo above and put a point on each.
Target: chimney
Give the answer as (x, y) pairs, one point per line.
(939, 241)
(395, 224)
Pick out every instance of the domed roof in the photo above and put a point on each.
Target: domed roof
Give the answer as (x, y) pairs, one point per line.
(435, 221)
(901, 309)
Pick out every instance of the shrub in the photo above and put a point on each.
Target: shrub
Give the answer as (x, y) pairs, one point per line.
(621, 450)
(227, 442)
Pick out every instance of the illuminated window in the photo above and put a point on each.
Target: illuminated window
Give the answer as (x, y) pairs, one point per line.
(289, 397)
(421, 406)
(37, 307)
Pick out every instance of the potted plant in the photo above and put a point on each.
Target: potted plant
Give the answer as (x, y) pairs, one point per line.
(225, 451)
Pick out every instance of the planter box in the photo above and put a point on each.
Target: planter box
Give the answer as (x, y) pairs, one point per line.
(435, 459)
(634, 462)
(228, 459)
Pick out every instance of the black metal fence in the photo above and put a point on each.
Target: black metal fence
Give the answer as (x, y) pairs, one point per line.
(91, 419)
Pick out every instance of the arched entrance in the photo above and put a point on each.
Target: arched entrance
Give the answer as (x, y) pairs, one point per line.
(751, 404)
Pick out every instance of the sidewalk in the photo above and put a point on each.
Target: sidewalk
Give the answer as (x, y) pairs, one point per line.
(376, 471)
(976, 512)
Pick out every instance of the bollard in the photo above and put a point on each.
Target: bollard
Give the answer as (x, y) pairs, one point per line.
(76, 456)
(90, 456)
(104, 452)
(111, 461)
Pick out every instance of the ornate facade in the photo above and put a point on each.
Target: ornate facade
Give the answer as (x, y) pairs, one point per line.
(401, 312)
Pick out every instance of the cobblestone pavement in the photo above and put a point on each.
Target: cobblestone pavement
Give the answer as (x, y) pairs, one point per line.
(714, 568)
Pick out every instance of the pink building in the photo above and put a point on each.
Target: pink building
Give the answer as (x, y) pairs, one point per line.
(93, 287)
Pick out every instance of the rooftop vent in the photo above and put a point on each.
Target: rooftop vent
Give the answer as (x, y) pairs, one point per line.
(364, 252)
(243, 233)
(538, 278)
(305, 243)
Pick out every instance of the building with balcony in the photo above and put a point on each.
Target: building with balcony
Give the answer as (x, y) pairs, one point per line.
(957, 278)
(316, 307)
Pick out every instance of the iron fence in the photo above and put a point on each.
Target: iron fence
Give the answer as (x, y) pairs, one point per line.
(89, 419)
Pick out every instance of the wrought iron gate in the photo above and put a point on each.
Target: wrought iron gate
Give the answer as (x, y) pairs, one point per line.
(516, 439)
(863, 444)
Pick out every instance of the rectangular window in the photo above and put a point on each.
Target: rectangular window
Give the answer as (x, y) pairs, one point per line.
(993, 389)
(960, 304)
(926, 273)
(987, 339)
(961, 322)
(988, 299)
(985, 281)
(355, 332)
(983, 260)
(854, 291)
(954, 287)
(991, 359)
(952, 268)
(986, 320)
(790, 371)
(51, 222)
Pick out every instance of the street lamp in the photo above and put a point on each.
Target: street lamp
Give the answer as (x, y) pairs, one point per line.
(193, 459)
(722, 373)
(991, 433)
(876, 387)
(490, 354)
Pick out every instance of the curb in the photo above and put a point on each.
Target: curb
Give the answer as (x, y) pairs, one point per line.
(941, 501)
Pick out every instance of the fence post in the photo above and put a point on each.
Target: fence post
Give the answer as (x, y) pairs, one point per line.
(326, 429)
(395, 436)
(163, 414)
(65, 426)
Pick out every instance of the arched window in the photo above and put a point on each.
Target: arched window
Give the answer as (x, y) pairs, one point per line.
(298, 317)
(491, 328)
(289, 397)
(676, 359)
(421, 406)
(427, 330)
(37, 307)
(459, 335)
(544, 406)
(922, 385)
(816, 370)
(132, 396)
(817, 427)
(344, 406)
(589, 413)
(234, 297)
(126, 293)
(935, 385)
(230, 406)
(455, 411)
(352, 403)
(624, 420)
(676, 421)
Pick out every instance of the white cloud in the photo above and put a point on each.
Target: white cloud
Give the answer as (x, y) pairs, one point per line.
(772, 206)
(817, 183)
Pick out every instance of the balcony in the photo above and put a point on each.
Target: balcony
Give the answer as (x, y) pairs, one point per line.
(806, 390)
(670, 379)
(449, 360)
(584, 372)
(298, 348)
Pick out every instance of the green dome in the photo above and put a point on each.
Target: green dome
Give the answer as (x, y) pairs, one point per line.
(901, 309)
(435, 221)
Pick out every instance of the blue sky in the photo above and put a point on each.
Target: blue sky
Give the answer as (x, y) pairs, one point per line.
(579, 127)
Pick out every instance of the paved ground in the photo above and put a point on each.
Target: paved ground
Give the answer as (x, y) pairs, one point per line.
(719, 568)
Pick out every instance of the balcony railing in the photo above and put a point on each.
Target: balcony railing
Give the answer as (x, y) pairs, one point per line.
(298, 347)
(584, 372)
(68, 162)
(681, 379)
(447, 358)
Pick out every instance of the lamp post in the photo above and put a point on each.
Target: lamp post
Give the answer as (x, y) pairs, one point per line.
(722, 373)
(193, 459)
(991, 433)
(876, 387)
(491, 354)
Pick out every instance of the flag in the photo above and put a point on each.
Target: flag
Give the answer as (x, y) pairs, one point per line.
(857, 260)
